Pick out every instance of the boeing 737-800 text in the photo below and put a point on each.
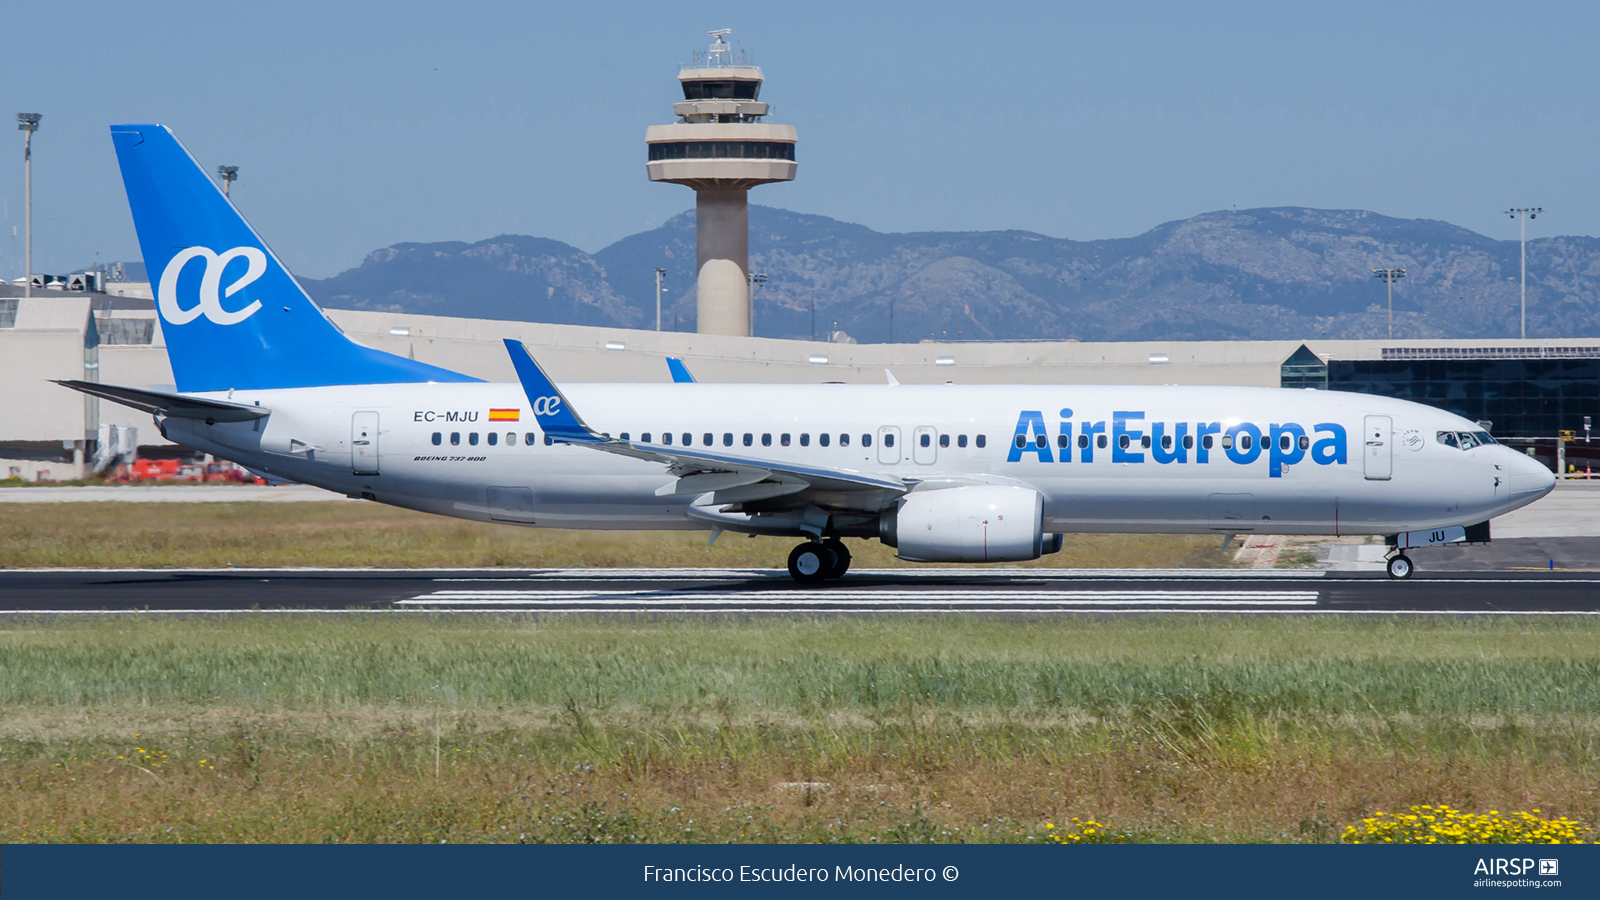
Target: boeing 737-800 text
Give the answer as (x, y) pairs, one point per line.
(944, 473)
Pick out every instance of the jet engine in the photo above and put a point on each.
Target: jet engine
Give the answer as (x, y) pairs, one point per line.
(979, 523)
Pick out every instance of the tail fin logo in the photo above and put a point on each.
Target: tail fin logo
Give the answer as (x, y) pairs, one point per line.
(211, 292)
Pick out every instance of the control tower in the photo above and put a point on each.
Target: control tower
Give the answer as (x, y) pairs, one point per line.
(720, 147)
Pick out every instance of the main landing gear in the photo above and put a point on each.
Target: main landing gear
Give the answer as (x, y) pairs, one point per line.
(813, 562)
(1400, 566)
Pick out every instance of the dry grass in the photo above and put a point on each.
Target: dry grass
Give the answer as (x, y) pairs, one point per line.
(201, 535)
(504, 728)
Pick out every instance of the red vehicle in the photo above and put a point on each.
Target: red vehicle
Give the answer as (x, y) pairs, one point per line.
(169, 470)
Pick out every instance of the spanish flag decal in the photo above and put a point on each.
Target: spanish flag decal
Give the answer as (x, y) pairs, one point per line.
(505, 415)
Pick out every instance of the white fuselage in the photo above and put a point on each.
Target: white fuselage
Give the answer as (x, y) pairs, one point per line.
(1367, 465)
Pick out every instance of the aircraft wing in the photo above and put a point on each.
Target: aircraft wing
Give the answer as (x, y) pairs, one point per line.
(734, 478)
(179, 406)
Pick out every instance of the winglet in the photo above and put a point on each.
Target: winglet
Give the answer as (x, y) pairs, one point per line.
(890, 375)
(555, 415)
(680, 372)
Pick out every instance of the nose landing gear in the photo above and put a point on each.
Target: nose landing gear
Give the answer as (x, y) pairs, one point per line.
(811, 563)
(1400, 566)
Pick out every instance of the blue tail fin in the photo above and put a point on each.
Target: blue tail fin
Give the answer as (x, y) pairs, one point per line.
(232, 315)
(680, 372)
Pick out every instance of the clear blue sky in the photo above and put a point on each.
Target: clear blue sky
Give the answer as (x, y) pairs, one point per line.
(356, 125)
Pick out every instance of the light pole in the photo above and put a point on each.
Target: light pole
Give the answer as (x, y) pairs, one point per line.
(661, 275)
(1390, 276)
(1525, 213)
(228, 174)
(757, 279)
(27, 123)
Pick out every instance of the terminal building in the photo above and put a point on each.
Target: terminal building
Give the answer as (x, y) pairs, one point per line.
(1528, 391)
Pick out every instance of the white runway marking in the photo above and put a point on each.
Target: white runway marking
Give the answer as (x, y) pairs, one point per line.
(836, 599)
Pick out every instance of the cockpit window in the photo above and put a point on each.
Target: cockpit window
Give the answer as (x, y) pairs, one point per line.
(1465, 440)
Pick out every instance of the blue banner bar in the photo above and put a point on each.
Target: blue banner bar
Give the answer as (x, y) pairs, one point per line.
(343, 872)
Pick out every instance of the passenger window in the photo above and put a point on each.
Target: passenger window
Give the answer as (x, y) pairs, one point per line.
(961, 440)
(1040, 441)
(494, 438)
(1122, 442)
(727, 439)
(944, 440)
(511, 439)
(1188, 442)
(666, 438)
(1206, 442)
(982, 440)
(529, 438)
(1227, 442)
(766, 440)
(1166, 442)
(473, 439)
(1244, 442)
(866, 440)
(1083, 442)
(708, 439)
(623, 436)
(805, 440)
(688, 439)
(645, 438)
(455, 438)
(823, 439)
(1019, 441)
(1284, 442)
(784, 439)
(1100, 441)
(437, 438)
(888, 440)
(549, 441)
(844, 440)
(1305, 442)
(1145, 442)
(749, 439)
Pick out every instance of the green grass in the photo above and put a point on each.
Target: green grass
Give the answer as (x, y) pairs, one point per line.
(257, 534)
(485, 728)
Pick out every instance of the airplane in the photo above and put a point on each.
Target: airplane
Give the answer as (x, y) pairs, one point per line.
(941, 472)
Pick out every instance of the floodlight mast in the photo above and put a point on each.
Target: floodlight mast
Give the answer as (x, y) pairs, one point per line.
(1525, 213)
(661, 275)
(1389, 277)
(228, 174)
(27, 123)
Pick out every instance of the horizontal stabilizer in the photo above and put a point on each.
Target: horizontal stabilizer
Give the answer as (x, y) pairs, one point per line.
(165, 404)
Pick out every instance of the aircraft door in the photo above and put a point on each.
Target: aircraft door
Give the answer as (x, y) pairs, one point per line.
(364, 443)
(888, 445)
(1378, 452)
(923, 449)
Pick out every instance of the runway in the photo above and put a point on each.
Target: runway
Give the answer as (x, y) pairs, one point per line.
(697, 592)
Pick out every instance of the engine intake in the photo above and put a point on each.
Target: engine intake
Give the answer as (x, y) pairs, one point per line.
(980, 523)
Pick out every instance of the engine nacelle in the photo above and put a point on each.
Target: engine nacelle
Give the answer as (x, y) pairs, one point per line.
(980, 523)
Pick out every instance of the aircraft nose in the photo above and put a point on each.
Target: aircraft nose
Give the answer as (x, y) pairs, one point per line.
(1528, 475)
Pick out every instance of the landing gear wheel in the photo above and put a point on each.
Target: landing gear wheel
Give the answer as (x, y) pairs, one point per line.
(1400, 566)
(841, 558)
(810, 563)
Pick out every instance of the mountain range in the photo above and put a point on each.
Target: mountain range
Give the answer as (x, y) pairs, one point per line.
(1279, 273)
